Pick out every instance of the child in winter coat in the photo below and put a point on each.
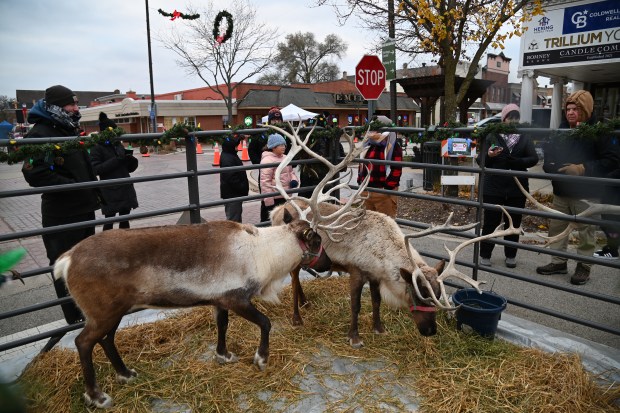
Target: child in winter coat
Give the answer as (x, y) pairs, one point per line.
(276, 146)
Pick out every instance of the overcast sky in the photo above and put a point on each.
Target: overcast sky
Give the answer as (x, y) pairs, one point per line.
(101, 45)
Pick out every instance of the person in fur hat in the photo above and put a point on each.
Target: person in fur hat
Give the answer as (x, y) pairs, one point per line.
(576, 156)
(57, 115)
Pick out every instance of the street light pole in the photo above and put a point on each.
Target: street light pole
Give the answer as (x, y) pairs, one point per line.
(153, 113)
(392, 35)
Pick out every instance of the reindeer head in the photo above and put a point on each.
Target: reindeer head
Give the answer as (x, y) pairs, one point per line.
(314, 255)
(422, 278)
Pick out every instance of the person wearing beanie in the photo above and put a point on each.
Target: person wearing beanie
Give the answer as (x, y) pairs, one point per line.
(274, 116)
(382, 146)
(276, 146)
(105, 122)
(512, 112)
(232, 184)
(510, 152)
(574, 155)
(111, 160)
(57, 115)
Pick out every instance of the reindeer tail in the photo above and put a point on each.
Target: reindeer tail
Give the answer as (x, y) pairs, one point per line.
(61, 267)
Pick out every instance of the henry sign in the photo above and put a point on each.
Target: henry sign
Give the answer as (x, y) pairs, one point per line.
(370, 77)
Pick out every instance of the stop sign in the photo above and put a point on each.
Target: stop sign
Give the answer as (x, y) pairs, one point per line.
(370, 77)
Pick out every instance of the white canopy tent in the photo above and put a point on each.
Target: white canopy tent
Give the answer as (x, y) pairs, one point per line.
(293, 113)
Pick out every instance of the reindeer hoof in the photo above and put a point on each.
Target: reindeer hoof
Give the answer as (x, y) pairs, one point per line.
(260, 362)
(127, 379)
(101, 400)
(228, 358)
(297, 321)
(379, 330)
(356, 343)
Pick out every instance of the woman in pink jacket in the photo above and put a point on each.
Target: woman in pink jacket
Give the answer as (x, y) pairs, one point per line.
(276, 146)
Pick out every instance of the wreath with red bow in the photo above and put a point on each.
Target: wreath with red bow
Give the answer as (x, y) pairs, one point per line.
(221, 38)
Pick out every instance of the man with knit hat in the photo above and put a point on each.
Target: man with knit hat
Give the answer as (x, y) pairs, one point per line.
(382, 146)
(576, 156)
(57, 115)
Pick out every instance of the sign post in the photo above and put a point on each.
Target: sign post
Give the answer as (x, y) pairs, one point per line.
(370, 80)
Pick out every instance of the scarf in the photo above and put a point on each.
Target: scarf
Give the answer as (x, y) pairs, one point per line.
(69, 121)
(511, 140)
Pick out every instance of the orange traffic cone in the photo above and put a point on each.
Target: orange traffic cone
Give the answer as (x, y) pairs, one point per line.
(146, 155)
(198, 148)
(244, 152)
(239, 147)
(355, 140)
(216, 155)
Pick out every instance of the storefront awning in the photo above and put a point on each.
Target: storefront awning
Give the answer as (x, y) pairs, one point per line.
(495, 106)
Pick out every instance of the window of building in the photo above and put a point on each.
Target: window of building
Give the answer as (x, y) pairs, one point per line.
(498, 64)
(191, 121)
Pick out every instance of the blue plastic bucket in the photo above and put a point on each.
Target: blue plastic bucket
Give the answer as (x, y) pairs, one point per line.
(478, 312)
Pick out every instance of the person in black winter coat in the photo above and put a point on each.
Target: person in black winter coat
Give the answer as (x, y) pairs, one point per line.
(58, 115)
(111, 160)
(576, 156)
(232, 184)
(513, 152)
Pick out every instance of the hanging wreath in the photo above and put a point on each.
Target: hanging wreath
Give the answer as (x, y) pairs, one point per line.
(178, 14)
(221, 38)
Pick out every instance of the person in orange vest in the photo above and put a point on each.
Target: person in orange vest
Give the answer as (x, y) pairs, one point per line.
(232, 184)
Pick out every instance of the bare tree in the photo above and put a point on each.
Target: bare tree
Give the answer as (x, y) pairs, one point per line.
(247, 53)
(449, 30)
(301, 59)
(7, 106)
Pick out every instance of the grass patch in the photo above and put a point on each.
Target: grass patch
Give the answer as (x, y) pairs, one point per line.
(450, 372)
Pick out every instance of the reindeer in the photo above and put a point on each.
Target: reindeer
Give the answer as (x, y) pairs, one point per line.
(223, 264)
(375, 251)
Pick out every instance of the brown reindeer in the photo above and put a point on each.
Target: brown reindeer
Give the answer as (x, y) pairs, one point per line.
(376, 252)
(221, 263)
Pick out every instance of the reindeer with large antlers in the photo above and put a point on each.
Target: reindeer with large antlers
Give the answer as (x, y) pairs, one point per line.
(220, 263)
(377, 252)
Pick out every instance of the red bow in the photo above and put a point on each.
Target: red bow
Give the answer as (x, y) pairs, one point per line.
(175, 14)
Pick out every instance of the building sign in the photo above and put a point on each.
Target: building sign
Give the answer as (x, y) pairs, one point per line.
(127, 114)
(348, 98)
(581, 34)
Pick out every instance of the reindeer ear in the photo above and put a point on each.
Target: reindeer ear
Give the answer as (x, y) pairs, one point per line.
(440, 265)
(288, 218)
(406, 275)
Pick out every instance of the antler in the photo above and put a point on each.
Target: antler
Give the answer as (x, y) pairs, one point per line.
(450, 269)
(593, 209)
(349, 215)
(443, 227)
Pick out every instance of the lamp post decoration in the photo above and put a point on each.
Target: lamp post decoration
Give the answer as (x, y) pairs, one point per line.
(177, 14)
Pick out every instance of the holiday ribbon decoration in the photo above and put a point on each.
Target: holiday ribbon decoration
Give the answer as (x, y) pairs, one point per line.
(176, 14)
(217, 35)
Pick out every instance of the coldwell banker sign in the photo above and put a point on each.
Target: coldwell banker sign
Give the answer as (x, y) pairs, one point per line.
(579, 34)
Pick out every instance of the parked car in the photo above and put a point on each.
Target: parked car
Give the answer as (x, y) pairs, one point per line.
(486, 121)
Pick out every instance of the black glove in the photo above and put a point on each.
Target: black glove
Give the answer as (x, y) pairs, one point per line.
(294, 184)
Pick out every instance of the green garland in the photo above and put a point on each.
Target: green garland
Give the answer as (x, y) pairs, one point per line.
(179, 14)
(18, 152)
(219, 38)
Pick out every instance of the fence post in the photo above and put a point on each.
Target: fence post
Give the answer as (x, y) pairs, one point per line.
(192, 180)
(483, 155)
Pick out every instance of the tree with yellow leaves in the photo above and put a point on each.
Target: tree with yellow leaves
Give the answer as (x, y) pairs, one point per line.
(449, 30)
